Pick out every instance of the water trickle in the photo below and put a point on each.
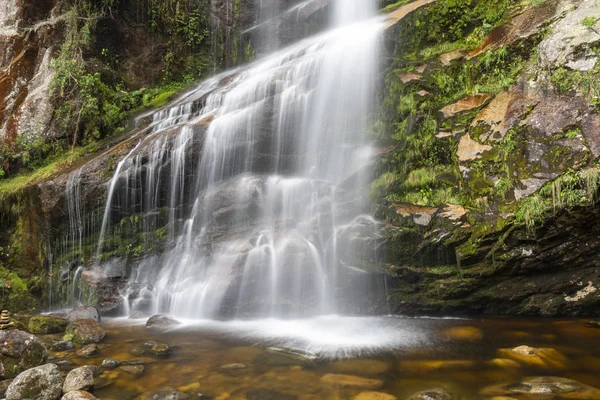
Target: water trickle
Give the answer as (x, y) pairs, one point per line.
(259, 177)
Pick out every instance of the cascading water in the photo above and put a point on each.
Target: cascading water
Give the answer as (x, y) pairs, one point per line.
(258, 178)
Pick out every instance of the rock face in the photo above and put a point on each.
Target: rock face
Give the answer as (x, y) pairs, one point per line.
(85, 331)
(19, 351)
(43, 382)
(79, 379)
(47, 324)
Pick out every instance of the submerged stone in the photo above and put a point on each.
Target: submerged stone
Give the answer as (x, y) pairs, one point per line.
(545, 386)
(165, 394)
(374, 396)
(547, 358)
(161, 350)
(351, 381)
(361, 367)
(265, 394)
(432, 394)
(463, 333)
(135, 370)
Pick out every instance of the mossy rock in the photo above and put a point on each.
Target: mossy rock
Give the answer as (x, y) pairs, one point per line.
(84, 331)
(47, 324)
(19, 351)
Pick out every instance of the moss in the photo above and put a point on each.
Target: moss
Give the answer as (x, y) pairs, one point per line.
(47, 324)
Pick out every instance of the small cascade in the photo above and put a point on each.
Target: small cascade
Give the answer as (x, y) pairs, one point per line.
(249, 195)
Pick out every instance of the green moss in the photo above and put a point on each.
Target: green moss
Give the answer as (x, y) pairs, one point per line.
(47, 324)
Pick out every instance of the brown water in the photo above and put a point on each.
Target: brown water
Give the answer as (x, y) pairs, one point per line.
(451, 354)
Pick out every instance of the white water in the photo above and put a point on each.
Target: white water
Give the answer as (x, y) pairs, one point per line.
(262, 171)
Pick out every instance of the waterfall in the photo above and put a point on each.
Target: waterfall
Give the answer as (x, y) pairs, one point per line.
(260, 178)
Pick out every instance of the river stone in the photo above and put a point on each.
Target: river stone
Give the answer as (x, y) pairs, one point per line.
(161, 323)
(544, 386)
(62, 345)
(110, 363)
(135, 370)
(84, 312)
(89, 350)
(43, 382)
(374, 396)
(81, 378)
(546, 358)
(233, 366)
(160, 350)
(361, 367)
(47, 324)
(19, 351)
(351, 381)
(85, 331)
(432, 394)
(64, 365)
(463, 333)
(79, 395)
(165, 394)
(265, 394)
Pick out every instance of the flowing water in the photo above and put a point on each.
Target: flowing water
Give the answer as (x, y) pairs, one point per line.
(258, 179)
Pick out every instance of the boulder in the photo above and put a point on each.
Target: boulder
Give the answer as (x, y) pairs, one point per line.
(81, 378)
(79, 395)
(110, 363)
(89, 350)
(62, 345)
(351, 381)
(160, 350)
(432, 394)
(43, 382)
(84, 312)
(19, 351)
(161, 323)
(47, 324)
(85, 331)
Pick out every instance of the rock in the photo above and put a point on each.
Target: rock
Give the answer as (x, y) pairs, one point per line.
(138, 351)
(81, 378)
(64, 365)
(233, 366)
(463, 333)
(85, 331)
(504, 363)
(593, 324)
(84, 312)
(374, 396)
(569, 42)
(88, 350)
(284, 357)
(427, 366)
(544, 386)
(79, 395)
(447, 58)
(62, 345)
(265, 394)
(138, 315)
(4, 387)
(160, 350)
(47, 324)
(110, 363)
(43, 382)
(161, 323)
(467, 103)
(165, 394)
(135, 370)
(409, 77)
(433, 394)
(351, 381)
(530, 356)
(469, 149)
(393, 17)
(19, 351)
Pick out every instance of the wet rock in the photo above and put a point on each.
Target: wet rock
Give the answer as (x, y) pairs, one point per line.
(138, 350)
(463, 333)
(467, 103)
(593, 324)
(361, 367)
(81, 378)
(504, 363)
(264, 394)
(234, 366)
(469, 149)
(79, 395)
(43, 382)
(84, 312)
(432, 394)
(62, 345)
(42, 324)
(19, 351)
(85, 331)
(426, 366)
(374, 396)
(284, 357)
(165, 394)
(547, 358)
(64, 365)
(409, 77)
(161, 323)
(447, 58)
(88, 350)
(351, 381)
(110, 363)
(161, 350)
(135, 370)
(544, 386)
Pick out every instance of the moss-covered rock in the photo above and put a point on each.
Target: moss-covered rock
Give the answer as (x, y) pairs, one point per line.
(84, 331)
(43, 382)
(19, 351)
(47, 324)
